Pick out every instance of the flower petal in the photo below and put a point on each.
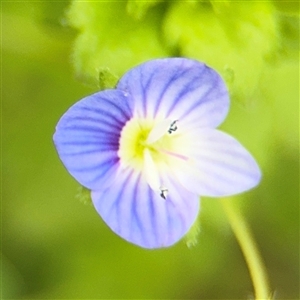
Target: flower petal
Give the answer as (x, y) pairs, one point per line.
(87, 137)
(158, 131)
(178, 89)
(150, 171)
(218, 166)
(143, 217)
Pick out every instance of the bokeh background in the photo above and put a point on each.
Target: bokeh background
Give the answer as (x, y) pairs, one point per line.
(54, 245)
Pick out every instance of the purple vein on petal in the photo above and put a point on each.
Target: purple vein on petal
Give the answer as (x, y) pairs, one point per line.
(186, 90)
(88, 129)
(117, 125)
(139, 211)
(198, 102)
(194, 107)
(171, 81)
(102, 144)
(123, 205)
(150, 204)
(134, 205)
(106, 164)
(85, 152)
(121, 195)
(181, 218)
(123, 118)
(191, 81)
(145, 89)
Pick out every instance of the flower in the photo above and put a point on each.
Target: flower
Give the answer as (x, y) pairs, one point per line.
(149, 148)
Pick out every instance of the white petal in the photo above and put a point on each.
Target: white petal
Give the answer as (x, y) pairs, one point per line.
(159, 130)
(150, 171)
(218, 165)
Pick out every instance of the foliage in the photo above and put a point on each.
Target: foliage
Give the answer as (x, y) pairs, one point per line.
(238, 39)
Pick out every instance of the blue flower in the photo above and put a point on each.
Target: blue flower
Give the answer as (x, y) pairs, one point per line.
(149, 148)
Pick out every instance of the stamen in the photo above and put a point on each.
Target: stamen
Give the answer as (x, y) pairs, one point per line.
(163, 193)
(173, 127)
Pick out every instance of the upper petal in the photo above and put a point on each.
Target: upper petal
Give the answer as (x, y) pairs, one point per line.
(178, 89)
(218, 165)
(140, 215)
(87, 137)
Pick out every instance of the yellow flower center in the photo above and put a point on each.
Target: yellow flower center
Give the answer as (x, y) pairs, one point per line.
(134, 140)
(147, 145)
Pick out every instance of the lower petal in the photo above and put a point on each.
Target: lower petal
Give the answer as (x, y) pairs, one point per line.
(142, 216)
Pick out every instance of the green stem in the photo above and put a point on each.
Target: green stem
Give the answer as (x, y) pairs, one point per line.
(249, 249)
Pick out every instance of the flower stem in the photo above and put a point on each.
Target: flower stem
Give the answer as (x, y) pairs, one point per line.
(249, 248)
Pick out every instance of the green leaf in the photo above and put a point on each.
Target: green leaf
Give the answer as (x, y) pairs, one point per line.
(137, 9)
(290, 32)
(107, 79)
(233, 37)
(191, 238)
(84, 195)
(110, 38)
(287, 7)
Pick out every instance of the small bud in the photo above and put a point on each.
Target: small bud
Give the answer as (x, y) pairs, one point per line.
(84, 195)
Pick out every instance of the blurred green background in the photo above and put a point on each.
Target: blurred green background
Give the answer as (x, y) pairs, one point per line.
(55, 246)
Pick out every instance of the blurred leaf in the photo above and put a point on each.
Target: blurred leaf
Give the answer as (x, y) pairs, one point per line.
(289, 27)
(192, 236)
(12, 283)
(108, 37)
(52, 14)
(84, 195)
(22, 34)
(235, 36)
(287, 6)
(137, 9)
(280, 86)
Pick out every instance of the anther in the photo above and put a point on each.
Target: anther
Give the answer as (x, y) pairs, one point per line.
(163, 193)
(173, 127)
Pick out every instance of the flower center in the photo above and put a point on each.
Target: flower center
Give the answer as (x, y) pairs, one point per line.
(146, 145)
